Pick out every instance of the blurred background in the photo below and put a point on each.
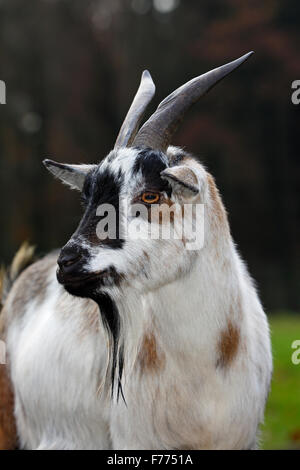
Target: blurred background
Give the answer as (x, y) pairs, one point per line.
(71, 68)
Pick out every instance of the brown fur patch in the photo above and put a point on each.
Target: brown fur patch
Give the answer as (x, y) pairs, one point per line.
(150, 359)
(8, 431)
(228, 345)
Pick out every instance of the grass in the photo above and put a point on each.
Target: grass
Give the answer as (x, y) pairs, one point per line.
(282, 420)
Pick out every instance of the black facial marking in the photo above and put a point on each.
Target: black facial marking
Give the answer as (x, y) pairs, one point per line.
(87, 186)
(151, 163)
(100, 187)
(85, 284)
(69, 271)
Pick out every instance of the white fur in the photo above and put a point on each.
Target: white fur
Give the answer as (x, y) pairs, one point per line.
(57, 370)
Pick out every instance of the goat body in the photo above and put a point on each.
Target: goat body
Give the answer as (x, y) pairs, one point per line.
(143, 343)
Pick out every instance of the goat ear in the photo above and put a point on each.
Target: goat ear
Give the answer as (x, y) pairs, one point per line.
(183, 180)
(72, 175)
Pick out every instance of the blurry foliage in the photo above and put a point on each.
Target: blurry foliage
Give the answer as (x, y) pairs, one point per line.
(281, 429)
(72, 67)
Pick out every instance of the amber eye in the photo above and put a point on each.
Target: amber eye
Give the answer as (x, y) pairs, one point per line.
(150, 198)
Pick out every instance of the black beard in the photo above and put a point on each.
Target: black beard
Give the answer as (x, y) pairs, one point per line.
(111, 320)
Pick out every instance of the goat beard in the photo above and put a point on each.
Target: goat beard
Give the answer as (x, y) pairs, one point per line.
(110, 316)
(109, 313)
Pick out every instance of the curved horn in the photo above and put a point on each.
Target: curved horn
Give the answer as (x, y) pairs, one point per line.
(158, 131)
(136, 111)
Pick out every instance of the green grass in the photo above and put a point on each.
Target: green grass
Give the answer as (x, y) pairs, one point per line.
(282, 420)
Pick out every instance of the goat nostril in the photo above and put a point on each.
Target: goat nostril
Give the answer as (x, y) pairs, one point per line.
(67, 260)
(72, 261)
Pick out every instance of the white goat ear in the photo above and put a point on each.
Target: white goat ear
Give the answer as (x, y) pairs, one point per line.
(72, 175)
(183, 179)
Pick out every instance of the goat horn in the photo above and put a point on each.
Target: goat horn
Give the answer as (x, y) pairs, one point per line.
(158, 131)
(136, 111)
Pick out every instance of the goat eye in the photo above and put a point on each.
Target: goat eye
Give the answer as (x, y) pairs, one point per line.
(150, 198)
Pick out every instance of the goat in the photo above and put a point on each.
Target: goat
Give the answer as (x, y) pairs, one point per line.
(142, 343)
